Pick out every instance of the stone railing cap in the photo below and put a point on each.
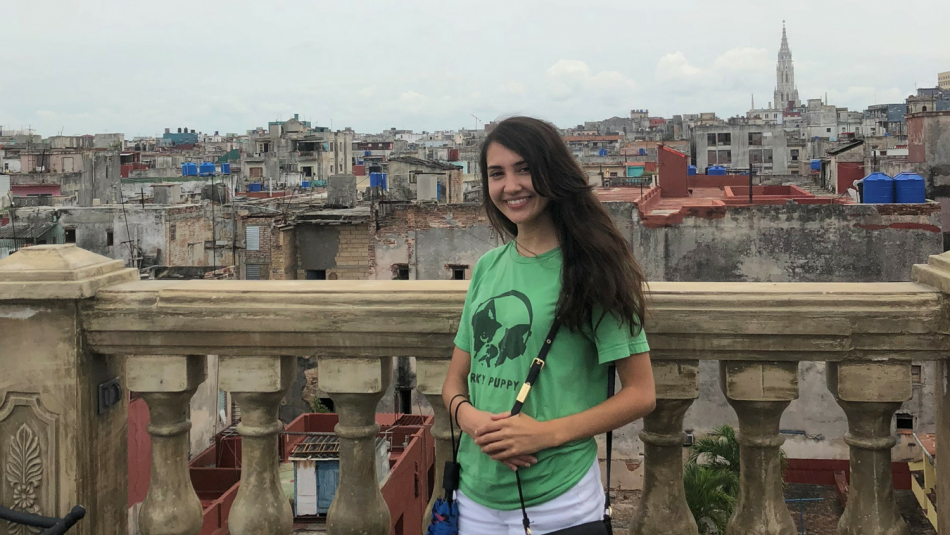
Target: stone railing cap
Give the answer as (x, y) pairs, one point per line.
(59, 272)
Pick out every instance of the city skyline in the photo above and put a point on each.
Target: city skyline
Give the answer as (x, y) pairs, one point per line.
(423, 65)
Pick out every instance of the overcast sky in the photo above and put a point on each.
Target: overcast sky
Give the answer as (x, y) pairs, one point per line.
(139, 67)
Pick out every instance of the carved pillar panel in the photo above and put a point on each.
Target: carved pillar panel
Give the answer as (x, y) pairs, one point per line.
(167, 384)
(430, 374)
(870, 393)
(258, 384)
(760, 392)
(356, 385)
(28, 450)
(663, 507)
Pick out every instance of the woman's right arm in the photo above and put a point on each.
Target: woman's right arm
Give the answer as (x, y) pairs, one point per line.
(456, 384)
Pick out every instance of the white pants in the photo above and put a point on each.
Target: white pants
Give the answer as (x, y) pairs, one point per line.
(582, 503)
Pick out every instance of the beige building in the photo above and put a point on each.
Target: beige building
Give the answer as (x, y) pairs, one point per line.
(943, 80)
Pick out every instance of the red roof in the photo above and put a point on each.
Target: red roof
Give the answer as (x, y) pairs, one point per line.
(22, 190)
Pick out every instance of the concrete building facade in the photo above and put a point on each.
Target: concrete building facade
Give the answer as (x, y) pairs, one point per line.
(738, 146)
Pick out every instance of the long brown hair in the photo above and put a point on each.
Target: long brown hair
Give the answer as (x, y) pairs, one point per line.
(599, 271)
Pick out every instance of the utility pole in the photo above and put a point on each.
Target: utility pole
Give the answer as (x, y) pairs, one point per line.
(751, 174)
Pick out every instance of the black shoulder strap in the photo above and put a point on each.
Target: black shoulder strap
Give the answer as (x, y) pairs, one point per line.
(536, 366)
(611, 385)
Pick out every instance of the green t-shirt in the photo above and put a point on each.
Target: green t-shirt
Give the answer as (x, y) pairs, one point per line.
(508, 311)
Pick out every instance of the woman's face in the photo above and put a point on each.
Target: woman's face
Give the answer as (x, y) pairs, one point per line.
(509, 186)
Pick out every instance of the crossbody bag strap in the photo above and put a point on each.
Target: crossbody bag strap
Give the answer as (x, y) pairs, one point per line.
(533, 372)
(611, 386)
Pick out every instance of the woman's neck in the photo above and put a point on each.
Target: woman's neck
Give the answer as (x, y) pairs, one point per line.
(537, 236)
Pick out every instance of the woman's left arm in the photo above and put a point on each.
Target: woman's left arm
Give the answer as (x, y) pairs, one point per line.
(506, 436)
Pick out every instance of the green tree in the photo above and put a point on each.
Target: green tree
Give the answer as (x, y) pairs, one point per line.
(719, 451)
(709, 501)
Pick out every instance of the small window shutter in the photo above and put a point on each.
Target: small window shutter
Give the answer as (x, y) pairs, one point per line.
(253, 272)
(253, 238)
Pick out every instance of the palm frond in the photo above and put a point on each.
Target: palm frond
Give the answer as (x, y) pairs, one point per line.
(707, 496)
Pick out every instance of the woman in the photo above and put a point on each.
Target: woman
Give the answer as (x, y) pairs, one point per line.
(564, 258)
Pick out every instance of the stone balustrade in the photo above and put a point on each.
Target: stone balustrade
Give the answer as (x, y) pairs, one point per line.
(156, 335)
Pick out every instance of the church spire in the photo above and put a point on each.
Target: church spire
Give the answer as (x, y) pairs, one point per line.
(786, 94)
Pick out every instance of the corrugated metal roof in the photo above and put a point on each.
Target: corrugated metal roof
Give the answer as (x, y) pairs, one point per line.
(25, 230)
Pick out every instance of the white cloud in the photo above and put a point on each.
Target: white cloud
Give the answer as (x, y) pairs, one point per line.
(367, 92)
(512, 87)
(675, 68)
(745, 59)
(568, 79)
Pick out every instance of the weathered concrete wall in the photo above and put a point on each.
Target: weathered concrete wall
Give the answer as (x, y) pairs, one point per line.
(101, 178)
(430, 238)
(205, 418)
(318, 246)
(789, 243)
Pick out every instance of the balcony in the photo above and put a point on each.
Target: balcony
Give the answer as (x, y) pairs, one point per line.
(71, 321)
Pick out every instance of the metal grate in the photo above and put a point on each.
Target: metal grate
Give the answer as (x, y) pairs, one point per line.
(317, 446)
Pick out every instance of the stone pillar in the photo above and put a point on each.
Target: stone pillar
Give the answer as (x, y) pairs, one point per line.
(663, 508)
(870, 393)
(430, 374)
(258, 384)
(50, 415)
(356, 385)
(760, 392)
(942, 399)
(167, 384)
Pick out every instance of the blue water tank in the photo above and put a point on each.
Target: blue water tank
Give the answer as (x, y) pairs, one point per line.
(385, 183)
(305, 184)
(602, 152)
(375, 179)
(225, 169)
(643, 152)
(878, 189)
(691, 170)
(910, 188)
(816, 165)
(256, 186)
(184, 169)
(367, 153)
(206, 169)
(716, 170)
(192, 169)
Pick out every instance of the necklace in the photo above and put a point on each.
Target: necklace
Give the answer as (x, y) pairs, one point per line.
(519, 247)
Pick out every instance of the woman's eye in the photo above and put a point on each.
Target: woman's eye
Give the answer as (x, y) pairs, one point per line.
(524, 170)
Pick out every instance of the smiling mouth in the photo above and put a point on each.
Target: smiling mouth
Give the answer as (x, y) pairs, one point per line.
(517, 203)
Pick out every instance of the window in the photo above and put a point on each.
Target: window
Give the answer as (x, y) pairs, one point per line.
(711, 140)
(257, 172)
(172, 231)
(316, 275)
(828, 130)
(724, 139)
(755, 139)
(401, 272)
(110, 239)
(253, 272)
(905, 421)
(794, 153)
(70, 235)
(253, 238)
(308, 171)
(724, 157)
(915, 374)
(412, 178)
(458, 272)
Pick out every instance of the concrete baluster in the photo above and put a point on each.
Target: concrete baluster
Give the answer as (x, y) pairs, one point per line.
(663, 507)
(258, 384)
(167, 384)
(760, 392)
(870, 394)
(356, 385)
(430, 374)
